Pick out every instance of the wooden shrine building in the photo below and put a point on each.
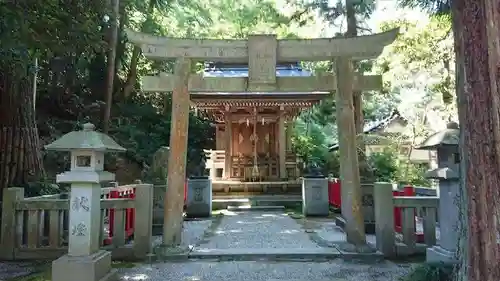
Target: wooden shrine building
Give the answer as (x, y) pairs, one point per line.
(253, 130)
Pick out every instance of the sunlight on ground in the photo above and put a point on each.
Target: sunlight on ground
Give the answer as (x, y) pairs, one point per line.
(253, 222)
(290, 231)
(267, 215)
(228, 231)
(135, 277)
(224, 212)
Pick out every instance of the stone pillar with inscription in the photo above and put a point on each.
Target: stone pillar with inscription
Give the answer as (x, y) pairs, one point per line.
(199, 195)
(315, 194)
(85, 261)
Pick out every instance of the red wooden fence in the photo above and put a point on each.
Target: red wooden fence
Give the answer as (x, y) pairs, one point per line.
(335, 199)
(116, 193)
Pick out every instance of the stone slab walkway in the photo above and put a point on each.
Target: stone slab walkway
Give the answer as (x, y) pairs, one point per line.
(257, 230)
(247, 237)
(336, 270)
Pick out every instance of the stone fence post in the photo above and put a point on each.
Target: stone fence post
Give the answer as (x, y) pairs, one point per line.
(384, 218)
(8, 229)
(143, 227)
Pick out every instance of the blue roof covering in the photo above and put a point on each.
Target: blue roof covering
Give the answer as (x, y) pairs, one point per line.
(242, 71)
(234, 70)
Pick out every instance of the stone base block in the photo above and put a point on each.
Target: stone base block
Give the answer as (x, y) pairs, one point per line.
(316, 211)
(315, 196)
(199, 210)
(96, 267)
(439, 254)
(369, 226)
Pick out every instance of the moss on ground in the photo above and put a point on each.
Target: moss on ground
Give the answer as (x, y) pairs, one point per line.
(43, 273)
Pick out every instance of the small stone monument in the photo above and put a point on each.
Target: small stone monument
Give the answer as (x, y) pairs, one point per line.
(448, 174)
(314, 193)
(85, 260)
(199, 194)
(159, 177)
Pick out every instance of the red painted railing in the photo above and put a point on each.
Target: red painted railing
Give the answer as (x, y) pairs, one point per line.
(335, 200)
(120, 193)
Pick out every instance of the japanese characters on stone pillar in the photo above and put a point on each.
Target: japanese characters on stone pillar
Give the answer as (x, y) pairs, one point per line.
(448, 174)
(84, 261)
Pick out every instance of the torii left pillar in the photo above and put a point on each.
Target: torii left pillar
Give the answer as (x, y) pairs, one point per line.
(174, 198)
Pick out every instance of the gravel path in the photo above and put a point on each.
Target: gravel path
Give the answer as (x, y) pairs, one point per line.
(336, 270)
(192, 233)
(258, 230)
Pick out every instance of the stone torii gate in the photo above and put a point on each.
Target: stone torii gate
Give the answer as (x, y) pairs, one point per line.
(262, 52)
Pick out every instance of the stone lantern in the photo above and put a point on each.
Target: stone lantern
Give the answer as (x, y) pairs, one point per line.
(84, 261)
(448, 174)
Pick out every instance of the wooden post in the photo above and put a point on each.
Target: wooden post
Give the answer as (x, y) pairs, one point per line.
(174, 199)
(8, 231)
(213, 170)
(349, 170)
(228, 137)
(289, 128)
(282, 143)
(143, 228)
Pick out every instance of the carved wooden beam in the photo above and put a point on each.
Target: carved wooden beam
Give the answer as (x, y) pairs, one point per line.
(320, 83)
(321, 49)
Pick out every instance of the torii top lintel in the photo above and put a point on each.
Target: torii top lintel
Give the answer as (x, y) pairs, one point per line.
(261, 53)
(320, 49)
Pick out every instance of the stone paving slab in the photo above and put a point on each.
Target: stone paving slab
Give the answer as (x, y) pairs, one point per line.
(336, 270)
(265, 253)
(257, 230)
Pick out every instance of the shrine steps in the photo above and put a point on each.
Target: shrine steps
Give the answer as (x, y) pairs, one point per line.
(255, 202)
(255, 208)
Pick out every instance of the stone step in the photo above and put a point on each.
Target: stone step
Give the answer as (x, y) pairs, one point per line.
(249, 207)
(265, 254)
(261, 198)
(224, 201)
(273, 254)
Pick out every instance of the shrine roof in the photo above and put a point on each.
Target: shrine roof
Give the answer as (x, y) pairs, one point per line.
(241, 70)
(289, 70)
(375, 126)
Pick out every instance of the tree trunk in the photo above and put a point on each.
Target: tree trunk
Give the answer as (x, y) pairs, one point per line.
(457, 10)
(111, 64)
(20, 155)
(480, 45)
(136, 52)
(352, 31)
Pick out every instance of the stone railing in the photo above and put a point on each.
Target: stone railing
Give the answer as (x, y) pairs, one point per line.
(38, 227)
(386, 240)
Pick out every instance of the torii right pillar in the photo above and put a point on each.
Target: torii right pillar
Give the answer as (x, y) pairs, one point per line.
(349, 167)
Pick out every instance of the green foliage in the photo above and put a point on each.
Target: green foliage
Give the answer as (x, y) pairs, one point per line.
(437, 7)
(419, 66)
(331, 11)
(431, 272)
(390, 166)
(384, 165)
(309, 142)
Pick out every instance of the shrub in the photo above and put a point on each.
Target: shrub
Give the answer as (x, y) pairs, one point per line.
(431, 272)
